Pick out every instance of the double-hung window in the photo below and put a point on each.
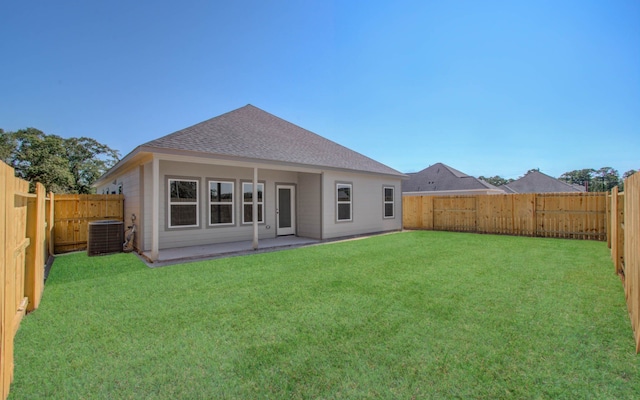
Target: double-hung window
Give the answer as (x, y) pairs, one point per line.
(247, 202)
(221, 203)
(183, 203)
(344, 201)
(388, 201)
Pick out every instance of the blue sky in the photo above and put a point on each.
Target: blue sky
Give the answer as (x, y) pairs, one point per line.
(487, 87)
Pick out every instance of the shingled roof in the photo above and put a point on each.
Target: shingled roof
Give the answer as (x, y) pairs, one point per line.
(440, 177)
(251, 133)
(537, 182)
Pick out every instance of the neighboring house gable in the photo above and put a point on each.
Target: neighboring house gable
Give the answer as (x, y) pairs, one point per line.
(442, 179)
(195, 186)
(537, 182)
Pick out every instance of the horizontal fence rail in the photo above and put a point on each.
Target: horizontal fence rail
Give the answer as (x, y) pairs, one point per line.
(558, 215)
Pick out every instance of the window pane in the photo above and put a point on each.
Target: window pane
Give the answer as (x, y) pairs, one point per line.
(248, 213)
(221, 192)
(214, 191)
(183, 215)
(388, 210)
(247, 189)
(344, 212)
(221, 214)
(388, 194)
(344, 193)
(247, 199)
(226, 192)
(184, 191)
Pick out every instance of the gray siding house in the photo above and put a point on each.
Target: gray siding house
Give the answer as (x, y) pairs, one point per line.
(441, 179)
(249, 175)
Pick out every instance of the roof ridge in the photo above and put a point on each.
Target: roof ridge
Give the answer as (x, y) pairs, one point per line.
(456, 172)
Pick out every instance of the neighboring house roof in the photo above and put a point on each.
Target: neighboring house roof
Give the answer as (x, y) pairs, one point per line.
(252, 133)
(537, 182)
(441, 177)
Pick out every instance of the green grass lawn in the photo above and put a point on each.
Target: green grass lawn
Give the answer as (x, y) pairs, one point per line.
(408, 315)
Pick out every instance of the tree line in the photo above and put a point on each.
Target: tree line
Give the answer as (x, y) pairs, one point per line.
(597, 180)
(593, 180)
(62, 165)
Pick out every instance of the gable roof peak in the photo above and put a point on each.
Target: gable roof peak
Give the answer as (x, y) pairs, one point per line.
(440, 176)
(437, 167)
(535, 181)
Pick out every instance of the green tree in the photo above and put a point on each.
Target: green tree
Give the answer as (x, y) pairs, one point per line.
(605, 179)
(496, 180)
(7, 146)
(629, 173)
(38, 157)
(581, 177)
(61, 165)
(88, 160)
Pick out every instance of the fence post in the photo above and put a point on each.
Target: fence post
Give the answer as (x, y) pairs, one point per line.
(608, 217)
(621, 232)
(516, 211)
(614, 229)
(428, 214)
(6, 336)
(34, 265)
(631, 251)
(50, 224)
(532, 202)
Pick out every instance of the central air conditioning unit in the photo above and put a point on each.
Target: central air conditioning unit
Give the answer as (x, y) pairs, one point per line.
(105, 237)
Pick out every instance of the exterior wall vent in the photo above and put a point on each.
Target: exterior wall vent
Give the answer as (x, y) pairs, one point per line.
(105, 237)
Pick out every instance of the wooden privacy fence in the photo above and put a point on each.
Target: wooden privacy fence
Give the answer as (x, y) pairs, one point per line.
(625, 246)
(75, 211)
(559, 215)
(25, 232)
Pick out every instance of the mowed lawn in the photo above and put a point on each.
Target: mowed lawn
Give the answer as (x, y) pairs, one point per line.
(406, 315)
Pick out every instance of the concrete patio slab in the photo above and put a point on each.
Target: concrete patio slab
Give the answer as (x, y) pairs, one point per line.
(181, 255)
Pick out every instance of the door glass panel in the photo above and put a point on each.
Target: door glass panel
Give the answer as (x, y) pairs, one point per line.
(284, 208)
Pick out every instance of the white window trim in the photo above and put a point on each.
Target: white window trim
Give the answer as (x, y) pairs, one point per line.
(222, 203)
(260, 203)
(182, 203)
(350, 202)
(392, 202)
